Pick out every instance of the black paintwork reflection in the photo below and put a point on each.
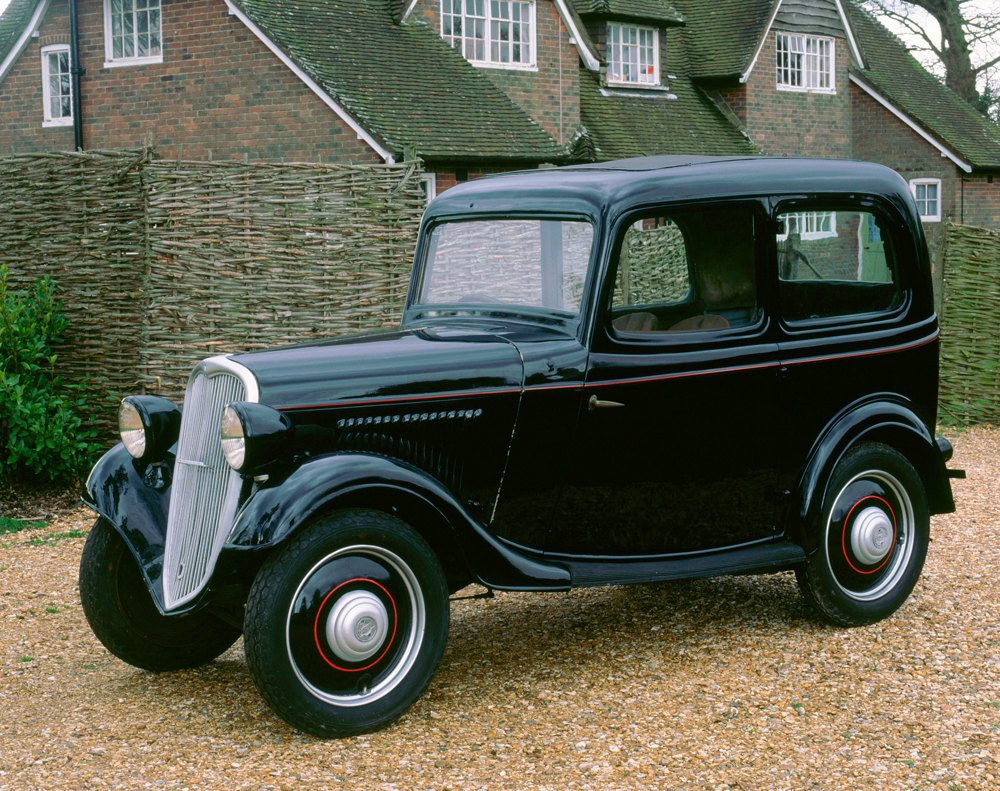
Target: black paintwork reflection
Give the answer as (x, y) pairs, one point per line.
(276, 511)
(396, 365)
(134, 498)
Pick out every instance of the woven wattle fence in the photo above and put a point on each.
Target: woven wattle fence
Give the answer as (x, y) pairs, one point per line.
(161, 263)
(970, 334)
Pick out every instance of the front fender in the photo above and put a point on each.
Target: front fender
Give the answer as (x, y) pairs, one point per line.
(274, 513)
(887, 419)
(133, 497)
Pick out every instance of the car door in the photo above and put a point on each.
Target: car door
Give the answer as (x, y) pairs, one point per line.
(852, 328)
(674, 447)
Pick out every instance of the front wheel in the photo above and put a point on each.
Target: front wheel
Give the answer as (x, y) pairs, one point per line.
(346, 624)
(122, 614)
(874, 529)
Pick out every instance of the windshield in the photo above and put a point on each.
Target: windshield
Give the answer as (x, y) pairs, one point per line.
(517, 263)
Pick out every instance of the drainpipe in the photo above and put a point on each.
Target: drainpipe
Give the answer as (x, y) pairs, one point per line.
(75, 71)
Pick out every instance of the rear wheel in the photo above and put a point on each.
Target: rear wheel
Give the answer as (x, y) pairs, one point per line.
(874, 529)
(346, 624)
(122, 614)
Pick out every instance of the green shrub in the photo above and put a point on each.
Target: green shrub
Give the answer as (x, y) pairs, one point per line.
(41, 431)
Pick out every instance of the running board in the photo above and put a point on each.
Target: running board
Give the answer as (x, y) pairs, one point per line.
(759, 558)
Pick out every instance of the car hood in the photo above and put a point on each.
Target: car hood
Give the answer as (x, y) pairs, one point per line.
(402, 365)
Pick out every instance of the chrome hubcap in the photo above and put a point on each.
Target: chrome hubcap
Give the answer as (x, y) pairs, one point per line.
(356, 626)
(872, 536)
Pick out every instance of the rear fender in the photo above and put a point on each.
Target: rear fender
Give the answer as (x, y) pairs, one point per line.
(274, 513)
(888, 420)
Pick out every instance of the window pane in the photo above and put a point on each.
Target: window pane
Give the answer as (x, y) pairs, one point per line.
(836, 264)
(692, 270)
(508, 262)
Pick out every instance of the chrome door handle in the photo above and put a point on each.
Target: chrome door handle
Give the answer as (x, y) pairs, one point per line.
(596, 403)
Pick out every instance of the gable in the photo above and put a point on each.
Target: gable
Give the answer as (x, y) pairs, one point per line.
(818, 17)
(892, 76)
(17, 23)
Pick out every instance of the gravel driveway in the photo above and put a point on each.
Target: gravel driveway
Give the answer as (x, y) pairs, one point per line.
(723, 684)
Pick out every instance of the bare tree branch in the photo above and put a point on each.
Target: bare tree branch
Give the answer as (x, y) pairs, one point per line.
(965, 40)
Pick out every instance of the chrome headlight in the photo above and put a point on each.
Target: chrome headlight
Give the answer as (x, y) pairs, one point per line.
(148, 426)
(233, 438)
(254, 437)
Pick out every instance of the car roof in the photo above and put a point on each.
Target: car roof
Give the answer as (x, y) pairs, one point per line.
(610, 187)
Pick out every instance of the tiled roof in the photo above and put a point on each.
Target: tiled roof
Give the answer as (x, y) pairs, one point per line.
(722, 36)
(402, 83)
(896, 76)
(12, 23)
(621, 125)
(648, 10)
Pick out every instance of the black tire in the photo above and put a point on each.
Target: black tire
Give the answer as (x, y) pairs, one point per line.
(873, 530)
(123, 616)
(346, 623)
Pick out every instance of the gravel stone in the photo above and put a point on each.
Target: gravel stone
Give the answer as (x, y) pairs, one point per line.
(728, 683)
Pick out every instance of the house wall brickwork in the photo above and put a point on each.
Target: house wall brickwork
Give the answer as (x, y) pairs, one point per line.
(794, 123)
(879, 136)
(446, 177)
(979, 199)
(550, 94)
(219, 93)
(736, 97)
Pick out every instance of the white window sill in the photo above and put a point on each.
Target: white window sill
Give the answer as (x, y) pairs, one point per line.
(57, 122)
(114, 64)
(797, 89)
(932, 218)
(637, 86)
(483, 64)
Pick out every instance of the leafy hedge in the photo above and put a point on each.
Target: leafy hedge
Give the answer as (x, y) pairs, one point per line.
(41, 430)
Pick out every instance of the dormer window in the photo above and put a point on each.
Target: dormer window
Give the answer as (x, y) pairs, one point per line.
(496, 33)
(633, 55)
(805, 63)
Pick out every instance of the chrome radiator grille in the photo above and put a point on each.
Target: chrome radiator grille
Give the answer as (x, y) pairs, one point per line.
(205, 490)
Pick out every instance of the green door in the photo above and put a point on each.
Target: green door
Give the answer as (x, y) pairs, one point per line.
(872, 252)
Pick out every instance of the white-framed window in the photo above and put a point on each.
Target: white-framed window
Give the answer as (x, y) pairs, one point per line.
(927, 194)
(491, 32)
(57, 86)
(428, 186)
(809, 225)
(132, 32)
(633, 54)
(805, 63)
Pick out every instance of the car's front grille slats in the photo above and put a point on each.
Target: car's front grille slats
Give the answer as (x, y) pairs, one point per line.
(205, 491)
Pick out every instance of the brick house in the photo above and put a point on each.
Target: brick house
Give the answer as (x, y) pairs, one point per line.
(473, 87)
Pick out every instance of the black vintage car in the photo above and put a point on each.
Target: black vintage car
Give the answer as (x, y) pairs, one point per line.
(617, 373)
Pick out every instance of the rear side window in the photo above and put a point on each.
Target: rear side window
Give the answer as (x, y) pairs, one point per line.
(834, 263)
(686, 270)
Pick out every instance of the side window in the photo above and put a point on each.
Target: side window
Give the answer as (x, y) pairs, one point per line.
(834, 263)
(689, 270)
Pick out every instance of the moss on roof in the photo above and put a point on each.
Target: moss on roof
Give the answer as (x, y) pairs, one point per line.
(12, 23)
(621, 125)
(893, 73)
(402, 83)
(722, 36)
